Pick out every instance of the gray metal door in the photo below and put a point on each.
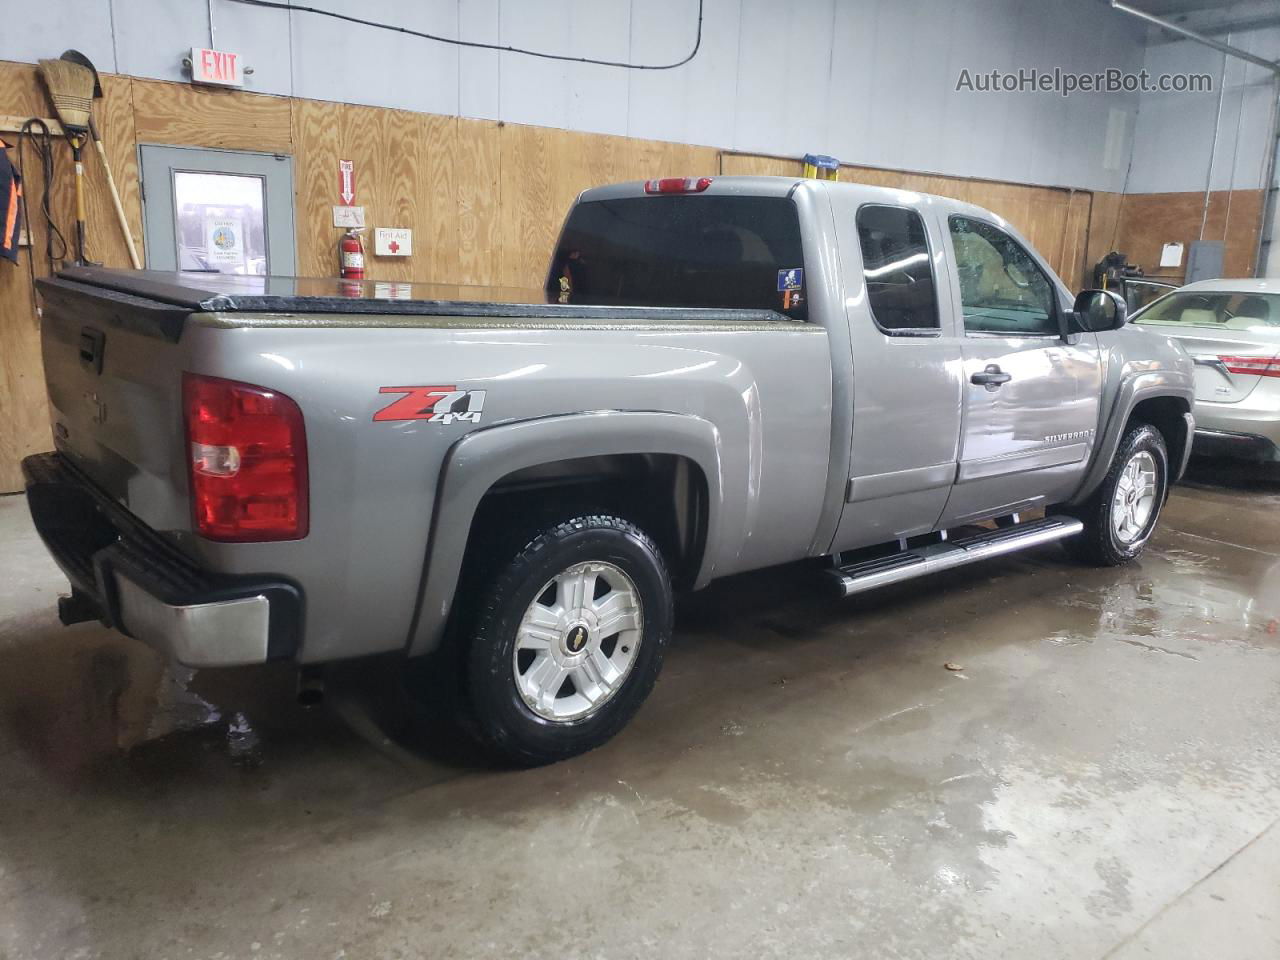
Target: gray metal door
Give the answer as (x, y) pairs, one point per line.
(226, 211)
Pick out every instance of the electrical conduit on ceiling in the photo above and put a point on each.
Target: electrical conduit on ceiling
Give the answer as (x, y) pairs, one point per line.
(475, 44)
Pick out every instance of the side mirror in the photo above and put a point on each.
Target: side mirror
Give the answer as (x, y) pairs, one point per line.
(1099, 310)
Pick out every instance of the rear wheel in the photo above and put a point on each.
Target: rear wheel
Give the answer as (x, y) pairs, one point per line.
(567, 640)
(1121, 515)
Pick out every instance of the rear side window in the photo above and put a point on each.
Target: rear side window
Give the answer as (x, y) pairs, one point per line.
(898, 269)
(682, 251)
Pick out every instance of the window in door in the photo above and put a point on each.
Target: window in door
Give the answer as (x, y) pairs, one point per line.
(1002, 289)
(218, 211)
(898, 270)
(220, 222)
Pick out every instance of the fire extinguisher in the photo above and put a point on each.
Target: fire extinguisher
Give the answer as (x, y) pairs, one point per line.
(351, 256)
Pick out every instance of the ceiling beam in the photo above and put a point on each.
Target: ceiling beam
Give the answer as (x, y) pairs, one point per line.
(1271, 65)
(1216, 25)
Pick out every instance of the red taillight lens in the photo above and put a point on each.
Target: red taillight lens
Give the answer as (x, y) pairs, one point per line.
(677, 185)
(1258, 366)
(247, 453)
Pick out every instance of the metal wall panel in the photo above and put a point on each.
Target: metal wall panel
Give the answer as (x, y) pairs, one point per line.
(870, 81)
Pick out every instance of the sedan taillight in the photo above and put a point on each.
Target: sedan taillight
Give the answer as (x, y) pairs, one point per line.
(1258, 366)
(248, 461)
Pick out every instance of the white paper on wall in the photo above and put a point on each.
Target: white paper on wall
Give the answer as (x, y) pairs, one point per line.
(1171, 255)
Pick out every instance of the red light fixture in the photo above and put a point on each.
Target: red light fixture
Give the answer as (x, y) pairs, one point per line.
(677, 185)
(1258, 366)
(248, 461)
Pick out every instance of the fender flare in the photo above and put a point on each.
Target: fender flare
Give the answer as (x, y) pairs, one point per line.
(480, 459)
(1133, 390)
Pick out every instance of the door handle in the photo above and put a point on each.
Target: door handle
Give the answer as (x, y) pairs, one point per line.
(92, 342)
(991, 378)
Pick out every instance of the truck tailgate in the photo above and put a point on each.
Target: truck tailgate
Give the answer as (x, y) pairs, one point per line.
(113, 363)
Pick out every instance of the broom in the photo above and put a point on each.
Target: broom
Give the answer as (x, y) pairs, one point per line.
(75, 56)
(70, 87)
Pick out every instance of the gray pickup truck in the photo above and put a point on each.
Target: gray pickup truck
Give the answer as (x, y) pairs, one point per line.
(722, 374)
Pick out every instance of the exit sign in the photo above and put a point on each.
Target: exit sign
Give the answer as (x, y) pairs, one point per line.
(217, 68)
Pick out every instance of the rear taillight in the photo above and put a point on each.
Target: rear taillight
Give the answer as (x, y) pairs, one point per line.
(677, 185)
(247, 453)
(1258, 366)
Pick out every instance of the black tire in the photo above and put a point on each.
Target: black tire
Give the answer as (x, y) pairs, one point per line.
(497, 713)
(1099, 543)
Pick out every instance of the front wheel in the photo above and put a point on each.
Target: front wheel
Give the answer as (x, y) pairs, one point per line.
(567, 640)
(1121, 515)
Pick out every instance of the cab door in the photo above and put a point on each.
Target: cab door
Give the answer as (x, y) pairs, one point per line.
(906, 371)
(1031, 396)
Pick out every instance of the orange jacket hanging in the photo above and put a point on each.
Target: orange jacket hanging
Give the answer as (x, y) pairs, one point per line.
(10, 205)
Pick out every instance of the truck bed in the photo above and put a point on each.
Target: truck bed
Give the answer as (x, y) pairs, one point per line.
(119, 347)
(169, 297)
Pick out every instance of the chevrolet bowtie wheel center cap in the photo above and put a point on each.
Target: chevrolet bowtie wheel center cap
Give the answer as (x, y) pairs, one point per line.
(576, 639)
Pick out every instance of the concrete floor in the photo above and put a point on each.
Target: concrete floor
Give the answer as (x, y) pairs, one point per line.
(1102, 779)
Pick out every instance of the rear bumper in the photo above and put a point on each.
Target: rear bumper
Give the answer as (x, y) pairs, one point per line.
(130, 577)
(1241, 446)
(1258, 415)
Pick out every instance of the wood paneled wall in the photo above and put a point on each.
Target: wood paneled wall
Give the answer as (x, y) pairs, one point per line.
(1147, 221)
(485, 199)
(24, 414)
(1104, 224)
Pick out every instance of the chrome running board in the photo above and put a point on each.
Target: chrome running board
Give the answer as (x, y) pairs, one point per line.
(920, 561)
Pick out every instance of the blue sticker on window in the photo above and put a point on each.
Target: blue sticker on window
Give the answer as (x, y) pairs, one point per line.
(792, 279)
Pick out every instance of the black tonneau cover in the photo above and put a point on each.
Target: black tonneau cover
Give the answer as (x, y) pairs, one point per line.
(168, 297)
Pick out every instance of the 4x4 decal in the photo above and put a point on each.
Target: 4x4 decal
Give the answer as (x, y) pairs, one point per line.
(437, 404)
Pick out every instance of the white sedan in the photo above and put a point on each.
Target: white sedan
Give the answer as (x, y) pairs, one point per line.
(1231, 328)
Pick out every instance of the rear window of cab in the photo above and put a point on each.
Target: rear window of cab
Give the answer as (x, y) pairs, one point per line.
(682, 251)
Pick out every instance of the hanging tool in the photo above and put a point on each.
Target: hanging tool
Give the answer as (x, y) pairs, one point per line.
(35, 132)
(75, 56)
(70, 87)
(115, 197)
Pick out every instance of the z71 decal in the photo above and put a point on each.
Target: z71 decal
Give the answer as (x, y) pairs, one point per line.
(433, 404)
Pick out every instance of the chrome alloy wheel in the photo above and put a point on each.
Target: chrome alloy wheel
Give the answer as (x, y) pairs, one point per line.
(1135, 498)
(577, 641)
